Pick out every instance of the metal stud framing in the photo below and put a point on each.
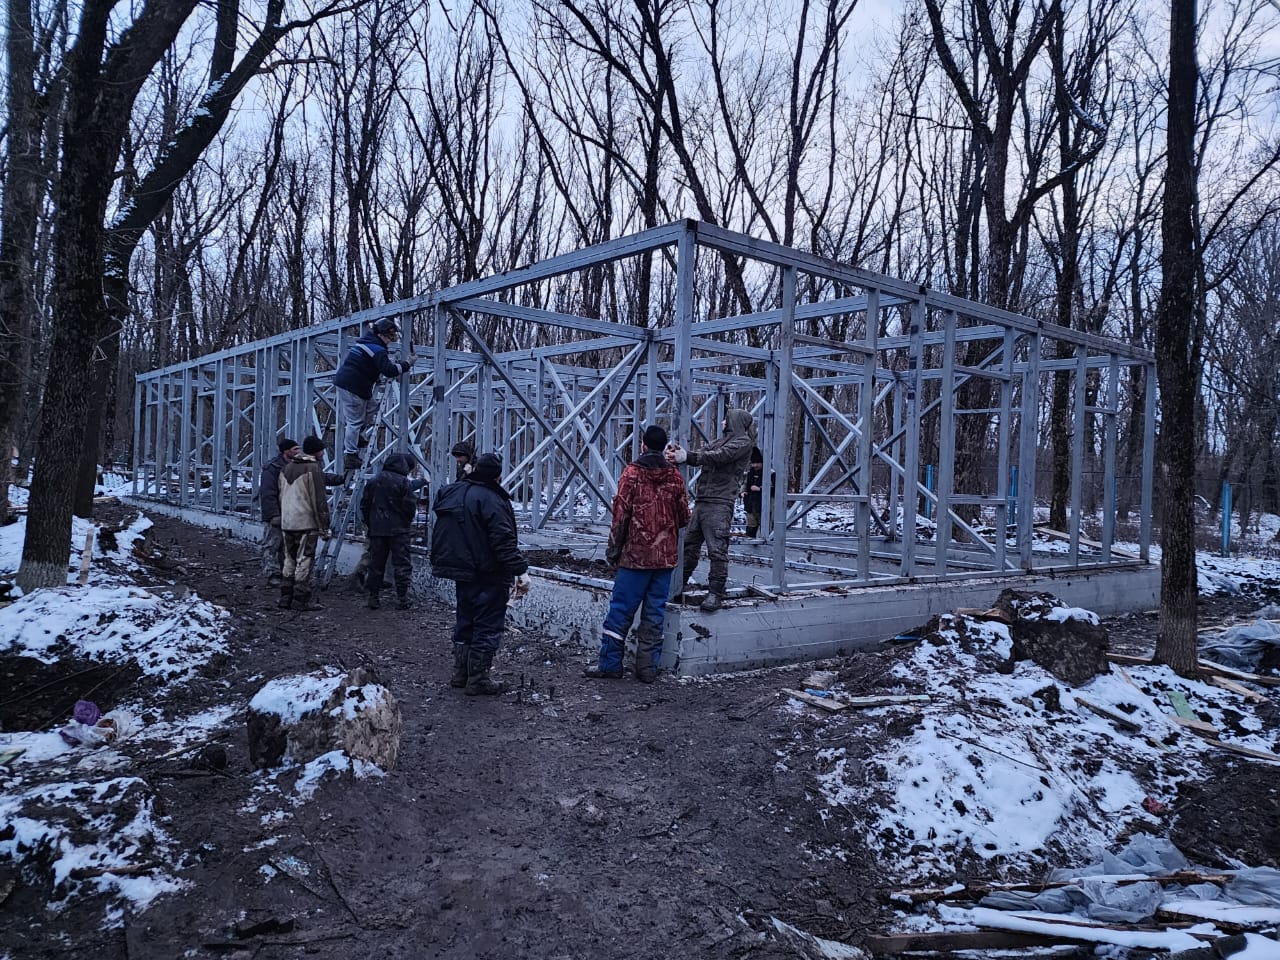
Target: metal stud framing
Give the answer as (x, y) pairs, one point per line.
(855, 374)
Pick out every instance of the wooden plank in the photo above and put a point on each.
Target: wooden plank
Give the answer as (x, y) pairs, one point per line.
(1108, 714)
(757, 591)
(1219, 670)
(1197, 726)
(1234, 687)
(887, 700)
(1059, 535)
(1129, 660)
(947, 941)
(830, 704)
(978, 890)
(86, 556)
(1180, 705)
(1245, 751)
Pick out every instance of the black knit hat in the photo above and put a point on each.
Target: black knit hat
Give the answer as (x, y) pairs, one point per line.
(756, 455)
(488, 467)
(312, 445)
(286, 444)
(463, 449)
(655, 438)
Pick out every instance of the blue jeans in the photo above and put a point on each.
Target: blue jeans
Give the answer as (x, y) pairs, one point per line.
(481, 621)
(645, 590)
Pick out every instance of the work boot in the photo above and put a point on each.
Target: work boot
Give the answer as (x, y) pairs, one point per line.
(595, 673)
(374, 602)
(303, 600)
(286, 594)
(648, 647)
(478, 682)
(402, 602)
(710, 603)
(351, 461)
(459, 678)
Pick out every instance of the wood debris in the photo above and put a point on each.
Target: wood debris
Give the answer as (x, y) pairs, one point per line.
(1108, 714)
(820, 680)
(1234, 687)
(979, 889)
(834, 704)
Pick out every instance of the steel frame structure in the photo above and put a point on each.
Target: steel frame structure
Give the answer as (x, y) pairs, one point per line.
(860, 377)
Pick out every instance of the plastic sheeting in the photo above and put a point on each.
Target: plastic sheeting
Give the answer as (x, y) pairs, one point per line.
(1242, 646)
(1098, 895)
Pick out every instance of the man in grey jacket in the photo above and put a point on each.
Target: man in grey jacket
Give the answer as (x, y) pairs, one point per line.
(724, 463)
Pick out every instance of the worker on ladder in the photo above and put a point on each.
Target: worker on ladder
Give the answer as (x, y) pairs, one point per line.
(365, 362)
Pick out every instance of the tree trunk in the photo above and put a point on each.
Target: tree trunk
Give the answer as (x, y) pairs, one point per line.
(1176, 366)
(17, 237)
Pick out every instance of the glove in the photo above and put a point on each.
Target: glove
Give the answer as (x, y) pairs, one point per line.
(405, 365)
(677, 454)
(466, 470)
(522, 586)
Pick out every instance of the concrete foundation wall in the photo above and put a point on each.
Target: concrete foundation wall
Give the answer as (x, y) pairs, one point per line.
(746, 634)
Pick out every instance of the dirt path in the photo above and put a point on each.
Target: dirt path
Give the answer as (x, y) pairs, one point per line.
(602, 820)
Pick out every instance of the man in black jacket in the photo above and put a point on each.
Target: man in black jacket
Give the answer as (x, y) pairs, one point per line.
(365, 362)
(389, 505)
(269, 495)
(474, 544)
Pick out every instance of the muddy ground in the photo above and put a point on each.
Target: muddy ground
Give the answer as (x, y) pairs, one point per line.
(583, 819)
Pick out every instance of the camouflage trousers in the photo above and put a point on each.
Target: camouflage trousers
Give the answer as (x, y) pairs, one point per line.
(299, 556)
(272, 550)
(709, 525)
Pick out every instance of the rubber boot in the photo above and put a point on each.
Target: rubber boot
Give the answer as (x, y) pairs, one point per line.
(302, 599)
(374, 602)
(402, 602)
(459, 678)
(648, 648)
(286, 594)
(478, 682)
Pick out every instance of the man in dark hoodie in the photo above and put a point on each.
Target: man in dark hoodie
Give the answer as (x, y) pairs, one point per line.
(474, 544)
(650, 507)
(723, 462)
(269, 495)
(464, 454)
(365, 362)
(389, 505)
(304, 517)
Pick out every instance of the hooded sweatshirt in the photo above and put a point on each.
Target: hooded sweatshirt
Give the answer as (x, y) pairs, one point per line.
(724, 460)
(651, 506)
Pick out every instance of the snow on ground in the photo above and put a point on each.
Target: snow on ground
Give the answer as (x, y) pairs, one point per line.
(1004, 774)
(77, 813)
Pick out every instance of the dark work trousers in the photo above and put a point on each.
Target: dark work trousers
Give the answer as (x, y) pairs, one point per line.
(397, 548)
(482, 614)
(709, 524)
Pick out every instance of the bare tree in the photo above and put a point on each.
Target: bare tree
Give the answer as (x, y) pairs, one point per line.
(91, 257)
(1176, 363)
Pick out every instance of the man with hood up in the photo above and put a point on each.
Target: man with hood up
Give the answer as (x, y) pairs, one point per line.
(473, 543)
(389, 505)
(304, 516)
(723, 462)
(651, 506)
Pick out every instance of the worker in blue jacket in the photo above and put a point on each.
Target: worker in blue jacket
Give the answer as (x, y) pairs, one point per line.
(365, 362)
